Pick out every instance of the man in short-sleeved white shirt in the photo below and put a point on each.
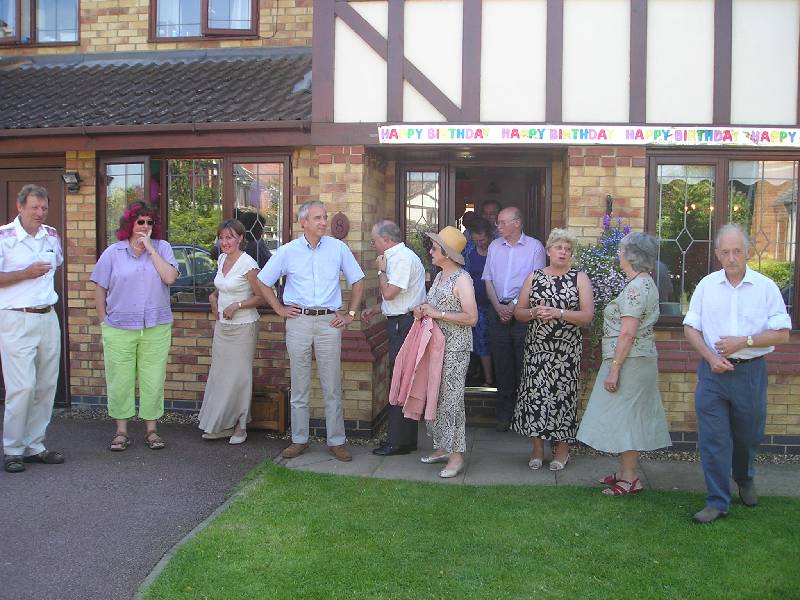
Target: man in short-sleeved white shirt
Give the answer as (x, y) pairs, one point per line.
(30, 336)
(401, 280)
(736, 317)
(311, 298)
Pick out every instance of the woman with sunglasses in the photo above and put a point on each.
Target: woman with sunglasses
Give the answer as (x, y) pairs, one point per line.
(133, 277)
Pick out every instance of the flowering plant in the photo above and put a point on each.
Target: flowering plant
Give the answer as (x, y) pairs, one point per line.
(601, 263)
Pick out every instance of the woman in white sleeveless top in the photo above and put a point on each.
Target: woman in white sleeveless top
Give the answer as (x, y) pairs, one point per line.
(226, 402)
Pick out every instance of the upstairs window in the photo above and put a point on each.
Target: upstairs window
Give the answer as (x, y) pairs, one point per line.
(38, 21)
(204, 18)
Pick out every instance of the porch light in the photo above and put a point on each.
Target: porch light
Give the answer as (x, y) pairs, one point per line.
(72, 180)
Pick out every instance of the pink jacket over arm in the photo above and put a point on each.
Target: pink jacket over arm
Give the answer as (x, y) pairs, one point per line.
(418, 371)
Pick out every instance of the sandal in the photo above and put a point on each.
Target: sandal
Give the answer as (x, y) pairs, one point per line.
(153, 440)
(609, 479)
(619, 490)
(119, 442)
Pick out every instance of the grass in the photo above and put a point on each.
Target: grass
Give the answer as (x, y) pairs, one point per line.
(303, 535)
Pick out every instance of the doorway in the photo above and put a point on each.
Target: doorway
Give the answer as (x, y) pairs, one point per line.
(11, 181)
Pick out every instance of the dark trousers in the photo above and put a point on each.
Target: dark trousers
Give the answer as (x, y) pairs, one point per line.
(731, 415)
(401, 431)
(507, 344)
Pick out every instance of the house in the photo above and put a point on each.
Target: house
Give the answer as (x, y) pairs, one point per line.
(674, 116)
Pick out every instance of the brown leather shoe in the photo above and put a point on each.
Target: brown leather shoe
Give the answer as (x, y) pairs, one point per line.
(294, 450)
(340, 453)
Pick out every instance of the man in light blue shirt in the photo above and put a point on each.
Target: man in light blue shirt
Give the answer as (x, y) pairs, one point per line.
(311, 298)
(736, 317)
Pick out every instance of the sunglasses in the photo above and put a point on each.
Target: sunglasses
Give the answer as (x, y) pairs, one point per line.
(144, 221)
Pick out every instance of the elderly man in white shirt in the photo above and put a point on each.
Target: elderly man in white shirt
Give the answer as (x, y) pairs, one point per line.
(736, 317)
(30, 336)
(401, 280)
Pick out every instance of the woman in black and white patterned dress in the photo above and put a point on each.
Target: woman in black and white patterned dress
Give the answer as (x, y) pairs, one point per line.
(556, 302)
(451, 302)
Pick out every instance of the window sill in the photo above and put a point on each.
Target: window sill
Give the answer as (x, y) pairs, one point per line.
(202, 38)
(4, 45)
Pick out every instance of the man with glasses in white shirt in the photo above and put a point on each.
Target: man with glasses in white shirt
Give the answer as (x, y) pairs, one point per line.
(736, 317)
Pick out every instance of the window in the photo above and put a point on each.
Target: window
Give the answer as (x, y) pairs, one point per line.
(422, 203)
(194, 195)
(201, 18)
(38, 21)
(692, 197)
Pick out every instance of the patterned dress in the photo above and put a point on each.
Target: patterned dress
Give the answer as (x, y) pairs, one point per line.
(548, 389)
(449, 429)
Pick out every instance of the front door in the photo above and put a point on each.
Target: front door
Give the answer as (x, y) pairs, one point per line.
(11, 181)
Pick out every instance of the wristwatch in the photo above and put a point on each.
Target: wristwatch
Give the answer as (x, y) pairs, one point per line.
(514, 301)
(352, 313)
(749, 340)
(380, 272)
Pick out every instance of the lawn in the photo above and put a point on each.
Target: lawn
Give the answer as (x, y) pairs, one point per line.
(303, 535)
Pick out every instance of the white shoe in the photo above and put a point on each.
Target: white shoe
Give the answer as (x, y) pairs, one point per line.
(448, 473)
(238, 439)
(218, 435)
(535, 463)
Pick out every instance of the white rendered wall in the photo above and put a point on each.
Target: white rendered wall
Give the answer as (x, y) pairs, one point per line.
(417, 109)
(680, 61)
(596, 76)
(764, 62)
(359, 88)
(513, 90)
(376, 13)
(432, 32)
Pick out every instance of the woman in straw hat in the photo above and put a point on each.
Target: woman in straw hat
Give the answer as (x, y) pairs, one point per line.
(451, 302)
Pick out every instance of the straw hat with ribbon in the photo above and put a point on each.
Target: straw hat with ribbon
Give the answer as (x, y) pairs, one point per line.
(452, 242)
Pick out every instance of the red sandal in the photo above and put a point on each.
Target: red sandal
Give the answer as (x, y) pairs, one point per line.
(618, 490)
(609, 479)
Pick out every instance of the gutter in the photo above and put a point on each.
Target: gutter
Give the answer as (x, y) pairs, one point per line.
(195, 128)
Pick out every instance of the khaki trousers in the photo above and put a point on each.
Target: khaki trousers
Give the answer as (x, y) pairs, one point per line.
(303, 333)
(30, 347)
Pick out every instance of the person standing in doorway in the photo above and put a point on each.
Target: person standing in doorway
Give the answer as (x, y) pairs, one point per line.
(474, 263)
(30, 336)
(311, 264)
(736, 317)
(401, 280)
(510, 259)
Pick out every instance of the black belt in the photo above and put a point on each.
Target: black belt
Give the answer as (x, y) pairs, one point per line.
(38, 311)
(739, 361)
(398, 316)
(313, 312)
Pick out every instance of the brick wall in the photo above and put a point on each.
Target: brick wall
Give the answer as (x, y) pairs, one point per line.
(596, 171)
(122, 26)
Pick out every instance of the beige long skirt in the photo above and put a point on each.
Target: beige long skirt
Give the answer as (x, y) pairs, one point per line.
(226, 401)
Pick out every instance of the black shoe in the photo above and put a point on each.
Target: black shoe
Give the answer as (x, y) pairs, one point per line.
(502, 426)
(48, 457)
(392, 450)
(13, 464)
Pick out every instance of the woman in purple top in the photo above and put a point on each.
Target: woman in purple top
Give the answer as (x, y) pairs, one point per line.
(133, 306)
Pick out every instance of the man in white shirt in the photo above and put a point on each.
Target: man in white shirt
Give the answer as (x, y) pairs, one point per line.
(736, 317)
(30, 336)
(401, 279)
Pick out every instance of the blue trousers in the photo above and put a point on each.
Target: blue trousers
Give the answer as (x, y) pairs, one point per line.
(731, 414)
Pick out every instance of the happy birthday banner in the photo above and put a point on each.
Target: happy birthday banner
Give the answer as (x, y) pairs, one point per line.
(589, 134)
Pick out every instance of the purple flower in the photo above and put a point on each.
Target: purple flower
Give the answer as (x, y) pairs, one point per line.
(626, 230)
(606, 221)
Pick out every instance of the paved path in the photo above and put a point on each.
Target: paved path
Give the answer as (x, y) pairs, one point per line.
(94, 527)
(502, 458)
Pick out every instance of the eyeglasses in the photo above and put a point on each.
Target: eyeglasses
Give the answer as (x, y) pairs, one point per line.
(144, 221)
(509, 222)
